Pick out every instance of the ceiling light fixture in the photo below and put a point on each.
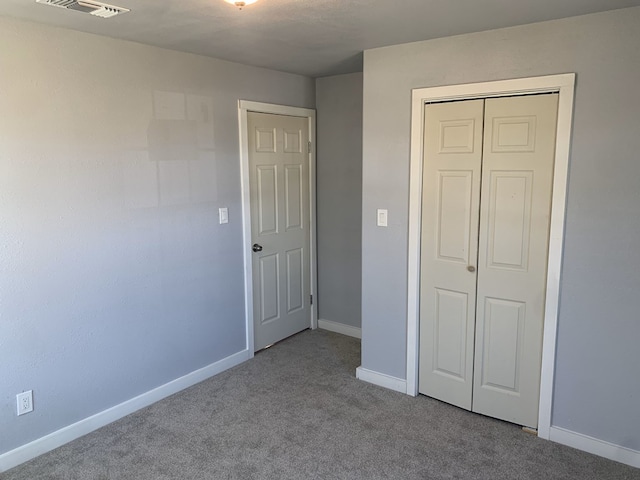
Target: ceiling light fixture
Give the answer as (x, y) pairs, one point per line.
(241, 4)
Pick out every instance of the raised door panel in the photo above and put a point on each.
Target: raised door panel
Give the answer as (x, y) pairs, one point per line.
(455, 217)
(457, 136)
(295, 275)
(509, 219)
(292, 141)
(293, 197)
(265, 140)
(513, 134)
(267, 199)
(501, 352)
(269, 288)
(449, 336)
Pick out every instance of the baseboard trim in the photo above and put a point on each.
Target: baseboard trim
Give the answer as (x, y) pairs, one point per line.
(66, 434)
(340, 328)
(381, 379)
(597, 447)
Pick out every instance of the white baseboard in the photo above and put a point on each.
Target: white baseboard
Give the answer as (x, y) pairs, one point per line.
(382, 380)
(595, 446)
(58, 438)
(340, 328)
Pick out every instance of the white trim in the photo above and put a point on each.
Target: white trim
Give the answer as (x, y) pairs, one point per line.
(564, 85)
(340, 328)
(556, 253)
(66, 434)
(595, 446)
(244, 107)
(381, 379)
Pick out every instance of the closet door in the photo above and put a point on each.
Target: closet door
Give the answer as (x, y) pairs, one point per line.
(488, 175)
(517, 176)
(450, 206)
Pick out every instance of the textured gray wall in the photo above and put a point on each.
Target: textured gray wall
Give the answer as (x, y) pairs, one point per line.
(116, 276)
(339, 192)
(597, 391)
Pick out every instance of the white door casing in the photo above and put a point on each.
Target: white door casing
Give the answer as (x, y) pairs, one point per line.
(294, 180)
(562, 84)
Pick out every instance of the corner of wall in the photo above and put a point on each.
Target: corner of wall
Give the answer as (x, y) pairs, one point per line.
(76, 430)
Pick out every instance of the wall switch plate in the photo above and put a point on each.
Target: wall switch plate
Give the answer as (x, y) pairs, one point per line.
(25, 402)
(382, 217)
(223, 213)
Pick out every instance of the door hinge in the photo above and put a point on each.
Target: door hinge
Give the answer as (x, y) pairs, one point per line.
(311, 299)
(309, 148)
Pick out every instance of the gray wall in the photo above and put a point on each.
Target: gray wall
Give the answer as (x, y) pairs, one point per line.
(115, 274)
(339, 193)
(597, 391)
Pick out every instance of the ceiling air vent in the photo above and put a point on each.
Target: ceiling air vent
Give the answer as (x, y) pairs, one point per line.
(87, 6)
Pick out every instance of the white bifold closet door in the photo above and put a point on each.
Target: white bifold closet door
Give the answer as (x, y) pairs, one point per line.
(488, 174)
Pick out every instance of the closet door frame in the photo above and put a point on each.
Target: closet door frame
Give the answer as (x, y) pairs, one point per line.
(563, 85)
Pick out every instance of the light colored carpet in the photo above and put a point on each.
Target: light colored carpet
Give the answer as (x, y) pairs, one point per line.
(296, 411)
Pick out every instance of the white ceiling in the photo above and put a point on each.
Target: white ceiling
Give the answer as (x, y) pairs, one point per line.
(308, 37)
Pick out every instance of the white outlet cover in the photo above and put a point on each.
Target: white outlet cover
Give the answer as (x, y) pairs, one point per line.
(25, 402)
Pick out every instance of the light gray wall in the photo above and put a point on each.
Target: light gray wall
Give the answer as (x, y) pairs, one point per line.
(115, 274)
(597, 391)
(339, 194)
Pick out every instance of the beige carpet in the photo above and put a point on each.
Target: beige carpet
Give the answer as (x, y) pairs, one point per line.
(296, 411)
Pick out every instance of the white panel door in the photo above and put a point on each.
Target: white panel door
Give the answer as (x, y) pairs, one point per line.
(488, 174)
(517, 177)
(451, 193)
(279, 182)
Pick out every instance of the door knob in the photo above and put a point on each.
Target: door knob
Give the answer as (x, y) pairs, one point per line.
(256, 247)
(471, 268)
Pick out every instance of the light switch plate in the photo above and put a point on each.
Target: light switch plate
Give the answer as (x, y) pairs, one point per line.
(223, 213)
(382, 217)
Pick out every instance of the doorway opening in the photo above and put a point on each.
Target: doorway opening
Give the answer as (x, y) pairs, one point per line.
(563, 85)
(278, 209)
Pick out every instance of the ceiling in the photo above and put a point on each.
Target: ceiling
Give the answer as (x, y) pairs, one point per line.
(308, 37)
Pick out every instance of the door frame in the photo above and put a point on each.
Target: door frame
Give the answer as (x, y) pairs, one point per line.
(562, 84)
(244, 107)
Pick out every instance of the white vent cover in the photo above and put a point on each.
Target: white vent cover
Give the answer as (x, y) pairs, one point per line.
(87, 6)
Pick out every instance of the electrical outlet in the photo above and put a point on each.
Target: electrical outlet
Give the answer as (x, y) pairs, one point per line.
(25, 402)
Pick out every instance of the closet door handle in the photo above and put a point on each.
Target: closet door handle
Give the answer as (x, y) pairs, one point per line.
(256, 247)
(471, 268)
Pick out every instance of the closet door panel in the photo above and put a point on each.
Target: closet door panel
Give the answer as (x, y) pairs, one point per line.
(449, 248)
(515, 209)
